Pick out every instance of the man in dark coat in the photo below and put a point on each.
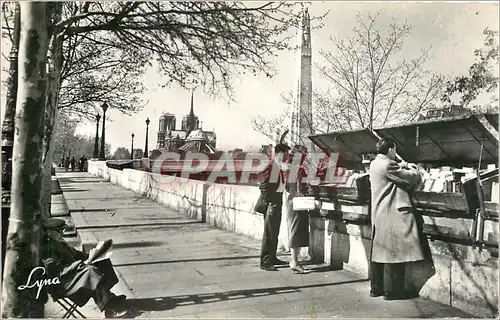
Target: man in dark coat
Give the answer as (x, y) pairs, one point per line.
(395, 233)
(79, 281)
(270, 202)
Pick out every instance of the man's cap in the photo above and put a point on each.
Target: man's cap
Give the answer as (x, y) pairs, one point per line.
(54, 223)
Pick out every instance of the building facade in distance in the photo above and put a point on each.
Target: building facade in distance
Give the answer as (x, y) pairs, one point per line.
(190, 138)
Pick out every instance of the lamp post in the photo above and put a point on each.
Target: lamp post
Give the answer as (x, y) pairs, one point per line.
(146, 147)
(132, 149)
(96, 142)
(102, 155)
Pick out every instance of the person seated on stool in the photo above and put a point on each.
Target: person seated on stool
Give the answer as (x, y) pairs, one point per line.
(80, 281)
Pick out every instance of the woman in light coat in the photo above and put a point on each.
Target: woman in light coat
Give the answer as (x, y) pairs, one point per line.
(298, 221)
(395, 237)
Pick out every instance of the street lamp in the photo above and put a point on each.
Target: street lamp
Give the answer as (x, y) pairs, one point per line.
(102, 155)
(132, 149)
(146, 147)
(96, 142)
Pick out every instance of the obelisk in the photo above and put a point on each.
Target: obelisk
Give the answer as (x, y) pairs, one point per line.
(301, 125)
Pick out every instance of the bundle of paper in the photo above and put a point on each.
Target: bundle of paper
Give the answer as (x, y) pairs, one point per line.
(102, 251)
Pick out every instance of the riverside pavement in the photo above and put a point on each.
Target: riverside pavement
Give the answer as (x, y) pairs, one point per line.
(174, 267)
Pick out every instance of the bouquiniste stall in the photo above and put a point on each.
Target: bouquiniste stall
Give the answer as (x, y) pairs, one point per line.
(460, 211)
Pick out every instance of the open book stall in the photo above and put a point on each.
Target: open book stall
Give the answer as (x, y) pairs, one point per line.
(451, 153)
(345, 193)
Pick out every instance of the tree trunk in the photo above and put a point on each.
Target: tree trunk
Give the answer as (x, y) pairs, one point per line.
(48, 141)
(53, 87)
(25, 216)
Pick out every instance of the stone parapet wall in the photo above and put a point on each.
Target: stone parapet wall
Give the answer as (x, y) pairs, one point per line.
(462, 276)
(227, 207)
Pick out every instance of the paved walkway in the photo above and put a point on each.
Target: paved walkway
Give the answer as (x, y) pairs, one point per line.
(172, 267)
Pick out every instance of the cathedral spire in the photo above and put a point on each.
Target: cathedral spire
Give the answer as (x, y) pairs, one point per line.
(191, 112)
(301, 125)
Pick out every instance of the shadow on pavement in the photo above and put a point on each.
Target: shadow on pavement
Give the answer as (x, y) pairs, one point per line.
(161, 218)
(126, 245)
(103, 210)
(79, 180)
(73, 190)
(185, 260)
(168, 303)
(153, 224)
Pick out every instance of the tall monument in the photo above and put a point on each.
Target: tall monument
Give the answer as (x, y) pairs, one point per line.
(301, 125)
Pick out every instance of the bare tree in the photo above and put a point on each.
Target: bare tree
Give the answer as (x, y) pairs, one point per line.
(376, 84)
(24, 223)
(369, 85)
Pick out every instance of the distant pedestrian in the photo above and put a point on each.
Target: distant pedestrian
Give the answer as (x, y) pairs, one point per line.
(73, 163)
(80, 164)
(85, 164)
(395, 235)
(67, 163)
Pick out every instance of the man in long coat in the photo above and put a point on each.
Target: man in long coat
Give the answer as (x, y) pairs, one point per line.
(79, 281)
(395, 236)
(269, 204)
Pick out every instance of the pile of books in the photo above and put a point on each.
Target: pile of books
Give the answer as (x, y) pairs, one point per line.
(446, 179)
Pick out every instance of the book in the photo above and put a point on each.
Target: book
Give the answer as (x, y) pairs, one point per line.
(101, 251)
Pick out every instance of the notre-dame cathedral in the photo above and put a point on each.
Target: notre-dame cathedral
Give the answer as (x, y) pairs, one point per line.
(190, 138)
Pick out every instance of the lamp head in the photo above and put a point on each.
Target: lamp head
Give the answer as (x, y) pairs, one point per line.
(147, 121)
(133, 135)
(105, 107)
(98, 117)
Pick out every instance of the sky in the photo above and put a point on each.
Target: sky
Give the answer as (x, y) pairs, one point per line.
(454, 30)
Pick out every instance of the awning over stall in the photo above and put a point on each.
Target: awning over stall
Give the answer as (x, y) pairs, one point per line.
(351, 145)
(450, 141)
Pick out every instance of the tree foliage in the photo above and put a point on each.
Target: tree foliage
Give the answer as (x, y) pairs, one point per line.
(138, 153)
(107, 46)
(68, 142)
(93, 73)
(121, 153)
(193, 43)
(90, 73)
(483, 73)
